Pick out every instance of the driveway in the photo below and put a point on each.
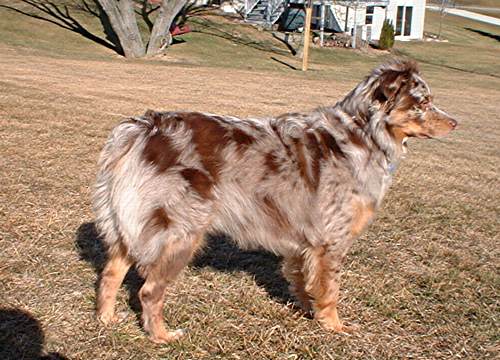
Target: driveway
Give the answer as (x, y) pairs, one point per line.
(469, 15)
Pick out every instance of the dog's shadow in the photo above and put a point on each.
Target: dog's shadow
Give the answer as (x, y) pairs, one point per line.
(219, 253)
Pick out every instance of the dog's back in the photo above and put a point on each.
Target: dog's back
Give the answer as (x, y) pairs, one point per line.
(165, 176)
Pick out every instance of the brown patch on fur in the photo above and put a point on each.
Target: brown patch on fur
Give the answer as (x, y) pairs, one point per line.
(314, 148)
(356, 139)
(159, 220)
(210, 137)
(329, 144)
(362, 216)
(154, 117)
(242, 139)
(272, 162)
(273, 210)
(160, 152)
(392, 83)
(302, 163)
(199, 181)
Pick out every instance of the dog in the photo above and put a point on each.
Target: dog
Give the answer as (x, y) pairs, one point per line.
(301, 185)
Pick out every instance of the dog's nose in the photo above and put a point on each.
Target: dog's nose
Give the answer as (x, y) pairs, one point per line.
(453, 123)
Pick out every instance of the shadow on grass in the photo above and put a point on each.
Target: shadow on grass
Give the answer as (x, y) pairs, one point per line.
(21, 337)
(92, 249)
(284, 63)
(285, 41)
(484, 33)
(219, 254)
(207, 27)
(59, 15)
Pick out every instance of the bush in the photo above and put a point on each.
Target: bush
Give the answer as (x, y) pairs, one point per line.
(386, 40)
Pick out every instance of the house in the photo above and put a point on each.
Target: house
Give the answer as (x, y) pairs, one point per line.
(364, 17)
(407, 17)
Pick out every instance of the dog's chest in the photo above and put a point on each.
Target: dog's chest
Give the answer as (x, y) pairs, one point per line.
(376, 181)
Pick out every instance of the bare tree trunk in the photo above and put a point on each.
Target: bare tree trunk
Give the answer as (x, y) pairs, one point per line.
(160, 35)
(122, 18)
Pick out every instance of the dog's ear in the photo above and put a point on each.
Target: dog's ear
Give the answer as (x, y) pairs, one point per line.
(392, 79)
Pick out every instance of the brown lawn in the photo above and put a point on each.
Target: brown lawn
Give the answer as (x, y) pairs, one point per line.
(422, 283)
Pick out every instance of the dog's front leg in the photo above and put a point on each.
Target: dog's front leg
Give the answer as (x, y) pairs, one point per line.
(321, 270)
(292, 270)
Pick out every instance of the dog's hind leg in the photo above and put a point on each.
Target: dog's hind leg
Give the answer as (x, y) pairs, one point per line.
(111, 278)
(175, 255)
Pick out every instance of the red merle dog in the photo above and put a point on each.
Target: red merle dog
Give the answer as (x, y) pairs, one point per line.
(302, 185)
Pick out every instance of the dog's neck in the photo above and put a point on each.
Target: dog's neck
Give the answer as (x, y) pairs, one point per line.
(365, 138)
(372, 119)
(372, 123)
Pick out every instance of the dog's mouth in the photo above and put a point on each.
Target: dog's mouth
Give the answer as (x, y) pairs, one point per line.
(425, 136)
(404, 145)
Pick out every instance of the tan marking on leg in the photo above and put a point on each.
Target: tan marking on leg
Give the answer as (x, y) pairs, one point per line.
(363, 215)
(322, 275)
(111, 278)
(175, 256)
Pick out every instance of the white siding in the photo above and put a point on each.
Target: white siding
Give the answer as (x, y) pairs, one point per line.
(418, 16)
(378, 21)
(340, 12)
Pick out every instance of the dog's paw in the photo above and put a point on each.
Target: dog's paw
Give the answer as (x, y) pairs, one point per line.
(340, 328)
(109, 318)
(167, 336)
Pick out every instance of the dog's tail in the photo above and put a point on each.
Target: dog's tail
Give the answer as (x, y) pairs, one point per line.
(120, 142)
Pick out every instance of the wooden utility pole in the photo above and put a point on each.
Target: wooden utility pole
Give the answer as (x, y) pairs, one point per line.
(307, 35)
(322, 24)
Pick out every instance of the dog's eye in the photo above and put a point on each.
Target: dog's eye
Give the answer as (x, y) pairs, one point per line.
(425, 105)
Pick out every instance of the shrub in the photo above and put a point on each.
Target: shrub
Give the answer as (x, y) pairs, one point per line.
(386, 40)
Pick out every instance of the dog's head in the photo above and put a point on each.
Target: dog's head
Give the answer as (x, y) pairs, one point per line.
(406, 98)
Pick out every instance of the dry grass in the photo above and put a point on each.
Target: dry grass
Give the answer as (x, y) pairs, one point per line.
(422, 283)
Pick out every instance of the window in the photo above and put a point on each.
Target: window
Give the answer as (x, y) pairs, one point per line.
(403, 20)
(408, 14)
(399, 20)
(369, 14)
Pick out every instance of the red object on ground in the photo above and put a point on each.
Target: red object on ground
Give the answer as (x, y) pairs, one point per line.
(179, 30)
